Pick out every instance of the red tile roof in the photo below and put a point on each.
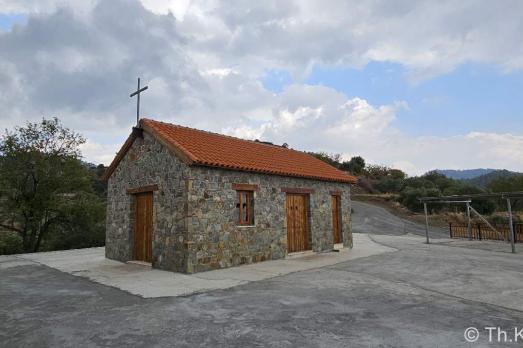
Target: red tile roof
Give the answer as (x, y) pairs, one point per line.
(198, 147)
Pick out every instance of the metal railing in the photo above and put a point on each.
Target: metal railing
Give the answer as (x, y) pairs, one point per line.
(480, 231)
(467, 199)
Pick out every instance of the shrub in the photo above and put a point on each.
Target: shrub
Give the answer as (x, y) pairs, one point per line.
(410, 196)
(389, 185)
(10, 243)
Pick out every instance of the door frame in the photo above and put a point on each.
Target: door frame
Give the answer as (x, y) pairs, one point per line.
(336, 197)
(305, 193)
(135, 192)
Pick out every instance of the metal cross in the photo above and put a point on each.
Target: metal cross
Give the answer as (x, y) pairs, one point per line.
(137, 92)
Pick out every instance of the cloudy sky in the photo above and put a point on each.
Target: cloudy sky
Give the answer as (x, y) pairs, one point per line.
(415, 85)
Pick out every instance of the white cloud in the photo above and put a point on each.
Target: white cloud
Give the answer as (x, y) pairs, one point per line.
(203, 61)
(176, 7)
(427, 37)
(45, 6)
(99, 153)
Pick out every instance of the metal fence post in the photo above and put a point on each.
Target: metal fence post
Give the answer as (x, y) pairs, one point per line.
(511, 225)
(479, 231)
(469, 226)
(450, 229)
(426, 222)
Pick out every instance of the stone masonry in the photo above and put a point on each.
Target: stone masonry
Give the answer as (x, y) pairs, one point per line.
(147, 163)
(195, 215)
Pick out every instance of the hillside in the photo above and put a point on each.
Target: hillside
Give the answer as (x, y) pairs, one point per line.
(483, 180)
(465, 173)
(480, 177)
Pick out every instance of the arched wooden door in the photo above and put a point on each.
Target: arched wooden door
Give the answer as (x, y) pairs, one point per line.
(296, 210)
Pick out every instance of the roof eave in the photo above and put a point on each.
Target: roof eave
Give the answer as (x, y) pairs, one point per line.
(119, 156)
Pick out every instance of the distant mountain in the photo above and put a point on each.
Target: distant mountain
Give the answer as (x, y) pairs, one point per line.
(484, 180)
(465, 174)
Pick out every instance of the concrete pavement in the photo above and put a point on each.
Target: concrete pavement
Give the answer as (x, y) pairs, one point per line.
(492, 276)
(147, 282)
(415, 296)
(418, 296)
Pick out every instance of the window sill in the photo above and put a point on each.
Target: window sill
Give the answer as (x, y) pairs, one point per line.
(245, 226)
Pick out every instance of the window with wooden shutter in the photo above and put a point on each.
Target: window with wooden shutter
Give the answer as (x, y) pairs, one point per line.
(246, 208)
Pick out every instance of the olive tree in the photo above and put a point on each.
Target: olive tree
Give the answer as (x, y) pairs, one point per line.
(45, 189)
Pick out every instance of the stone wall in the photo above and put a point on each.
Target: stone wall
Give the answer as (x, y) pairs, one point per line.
(149, 163)
(217, 240)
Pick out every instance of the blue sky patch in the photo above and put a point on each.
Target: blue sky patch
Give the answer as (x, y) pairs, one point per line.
(7, 21)
(276, 80)
(467, 99)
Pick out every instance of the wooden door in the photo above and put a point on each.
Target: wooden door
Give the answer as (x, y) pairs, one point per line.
(143, 227)
(336, 219)
(297, 229)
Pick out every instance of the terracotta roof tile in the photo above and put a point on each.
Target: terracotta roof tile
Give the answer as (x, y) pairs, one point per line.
(216, 150)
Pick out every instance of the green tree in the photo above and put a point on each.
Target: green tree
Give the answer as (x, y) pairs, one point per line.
(415, 188)
(10, 243)
(434, 184)
(355, 165)
(410, 196)
(45, 189)
(507, 184)
(512, 183)
(397, 174)
(376, 172)
(387, 180)
(332, 159)
(389, 184)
